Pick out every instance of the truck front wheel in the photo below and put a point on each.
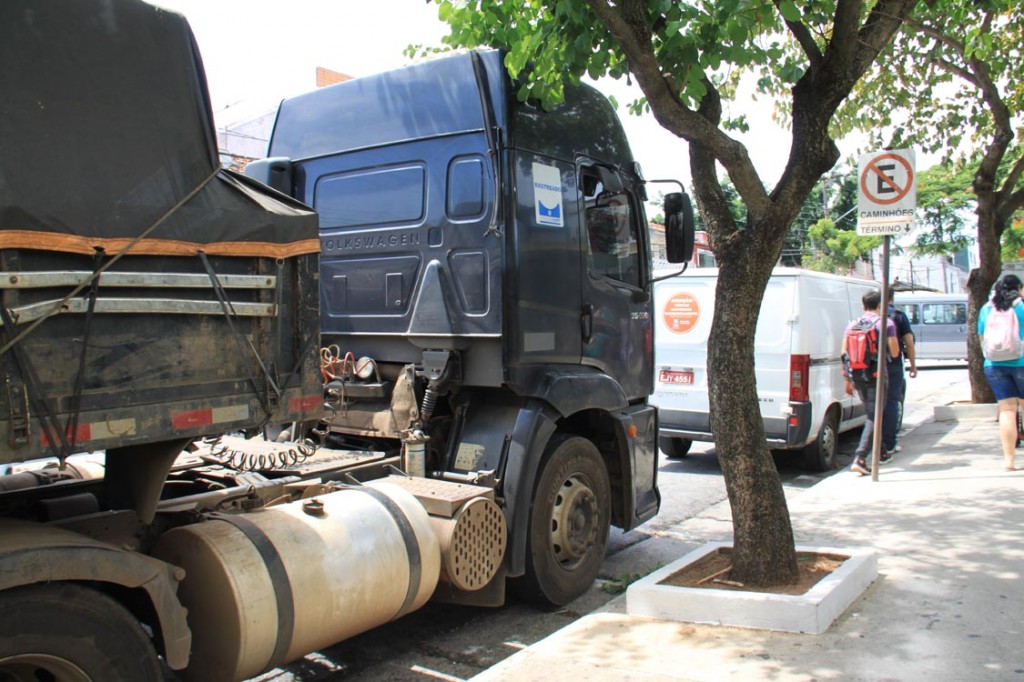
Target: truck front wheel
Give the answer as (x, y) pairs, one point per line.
(569, 523)
(69, 633)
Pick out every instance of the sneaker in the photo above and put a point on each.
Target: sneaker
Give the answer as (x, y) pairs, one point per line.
(860, 466)
(885, 459)
(896, 448)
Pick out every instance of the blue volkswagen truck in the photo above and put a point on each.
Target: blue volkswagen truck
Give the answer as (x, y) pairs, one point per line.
(235, 430)
(485, 269)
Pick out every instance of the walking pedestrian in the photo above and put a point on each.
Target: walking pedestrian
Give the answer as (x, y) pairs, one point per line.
(860, 367)
(1004, 372)
(895, 390)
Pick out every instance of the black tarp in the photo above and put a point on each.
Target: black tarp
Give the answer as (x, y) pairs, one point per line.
(105, 124)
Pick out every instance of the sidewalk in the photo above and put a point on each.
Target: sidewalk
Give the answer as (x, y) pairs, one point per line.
(947, 523)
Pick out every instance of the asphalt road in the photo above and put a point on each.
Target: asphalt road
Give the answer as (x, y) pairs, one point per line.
(443, 642)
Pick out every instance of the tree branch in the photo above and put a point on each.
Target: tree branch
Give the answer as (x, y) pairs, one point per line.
(958, 71)
(850, 52)
(1003, 134)
(884, 20)
(1006, 196)
(975, 72)
(636, 45)
(803, 37)
(937, 35)
(1013, 203)
(628, 24)
(844, 42)
(707, 190)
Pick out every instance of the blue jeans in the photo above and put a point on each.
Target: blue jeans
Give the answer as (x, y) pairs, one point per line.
(1006, 381)
(866, 392)
(891, 415)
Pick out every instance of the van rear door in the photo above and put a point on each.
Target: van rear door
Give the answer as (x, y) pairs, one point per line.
(683, 309)
(773, 348)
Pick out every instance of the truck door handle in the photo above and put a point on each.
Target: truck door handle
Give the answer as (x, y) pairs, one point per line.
(587, 322)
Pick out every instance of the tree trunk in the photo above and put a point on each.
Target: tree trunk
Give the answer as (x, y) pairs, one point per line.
(764, 552)
(979, 284)
(978, 288)
(763, 537)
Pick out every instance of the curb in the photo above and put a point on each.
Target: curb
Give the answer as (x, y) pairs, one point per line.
(813, 611)
(964, 411)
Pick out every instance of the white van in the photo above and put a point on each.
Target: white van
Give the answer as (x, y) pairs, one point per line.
(797, 345)
(939, 322)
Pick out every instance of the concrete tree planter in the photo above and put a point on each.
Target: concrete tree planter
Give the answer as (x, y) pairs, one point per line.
(811, 612)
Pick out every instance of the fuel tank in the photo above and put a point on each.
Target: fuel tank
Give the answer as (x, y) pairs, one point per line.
(268, 587)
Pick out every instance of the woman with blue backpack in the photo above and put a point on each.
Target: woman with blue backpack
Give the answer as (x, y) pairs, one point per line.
(1000, 322)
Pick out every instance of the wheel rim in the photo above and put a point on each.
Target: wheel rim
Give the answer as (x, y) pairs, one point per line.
(828, 442)
(573, 522)
(36, 667)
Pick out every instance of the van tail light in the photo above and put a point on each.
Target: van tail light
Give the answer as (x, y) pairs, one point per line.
(799, 378)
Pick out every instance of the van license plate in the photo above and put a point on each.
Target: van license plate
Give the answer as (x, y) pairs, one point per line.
(672, 376)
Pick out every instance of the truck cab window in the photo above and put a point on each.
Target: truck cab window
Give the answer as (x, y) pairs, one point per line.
(612, 234)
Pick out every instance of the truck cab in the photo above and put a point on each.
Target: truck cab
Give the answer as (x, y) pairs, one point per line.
(485, 297)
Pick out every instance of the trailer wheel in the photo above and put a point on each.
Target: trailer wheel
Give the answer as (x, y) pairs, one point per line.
(675, 448)
(569, 523)
(68, 633)
(821, 454)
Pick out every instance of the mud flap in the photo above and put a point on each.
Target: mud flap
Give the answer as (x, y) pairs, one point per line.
(643, 498)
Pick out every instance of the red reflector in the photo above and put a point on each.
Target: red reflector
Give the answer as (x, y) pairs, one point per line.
(306, 403)
(793, 420)
(187, 420)
(82, 434)
(799, 378)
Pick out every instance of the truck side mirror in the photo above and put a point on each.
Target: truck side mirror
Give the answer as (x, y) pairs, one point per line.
(679, 227)
(275, 172)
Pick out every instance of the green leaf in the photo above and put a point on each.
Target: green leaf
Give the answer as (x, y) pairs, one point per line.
(789, 10)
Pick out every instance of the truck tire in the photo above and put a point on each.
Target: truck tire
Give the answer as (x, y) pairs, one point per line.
(821, 454)
(68, 633)
(674, 448)
(569, 522)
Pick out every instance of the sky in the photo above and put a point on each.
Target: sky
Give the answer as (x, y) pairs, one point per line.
(257, 52)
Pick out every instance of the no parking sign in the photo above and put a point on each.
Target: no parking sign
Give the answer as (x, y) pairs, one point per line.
(887, 193)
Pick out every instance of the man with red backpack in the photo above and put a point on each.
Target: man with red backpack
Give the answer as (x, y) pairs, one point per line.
(860, 367)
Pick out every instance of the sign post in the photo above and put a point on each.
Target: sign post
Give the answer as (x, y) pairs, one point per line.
(886, 201)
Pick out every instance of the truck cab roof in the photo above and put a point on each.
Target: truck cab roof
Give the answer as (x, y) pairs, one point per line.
(444, 97)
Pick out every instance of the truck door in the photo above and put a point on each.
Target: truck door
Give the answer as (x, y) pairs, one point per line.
(616, 325)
